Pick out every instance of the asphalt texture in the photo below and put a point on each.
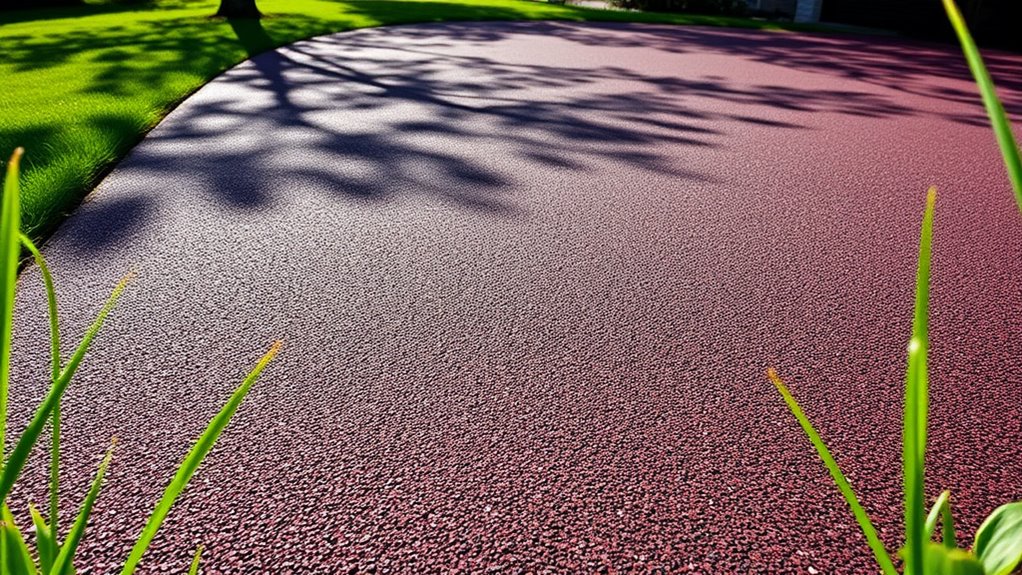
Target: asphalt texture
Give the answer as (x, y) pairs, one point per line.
(529, 278)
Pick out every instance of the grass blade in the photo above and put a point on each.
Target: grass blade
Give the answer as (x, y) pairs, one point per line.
(999, 120)
(35, 427)
(191, 462)
(941, 511)
(62, 565)
(55, 467)
(194, 569)
(5, 568)
(51, 303)
(17, 558)
(45, 541)
(882, 558)
(917, 404)
(935, 512)
(10, 223)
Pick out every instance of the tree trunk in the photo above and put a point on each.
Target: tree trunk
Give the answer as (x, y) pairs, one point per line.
(238, 9)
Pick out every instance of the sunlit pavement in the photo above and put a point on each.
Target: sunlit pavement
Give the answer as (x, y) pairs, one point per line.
(529, 278)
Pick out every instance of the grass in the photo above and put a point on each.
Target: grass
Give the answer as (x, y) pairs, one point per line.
(83, 85)
(997, 545)
(997, 548)
(52, 556)
(995, 110)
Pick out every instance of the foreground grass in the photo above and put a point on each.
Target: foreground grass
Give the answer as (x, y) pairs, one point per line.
(82, 85)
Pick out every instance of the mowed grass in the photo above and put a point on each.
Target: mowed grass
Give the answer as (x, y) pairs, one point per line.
(82, 85)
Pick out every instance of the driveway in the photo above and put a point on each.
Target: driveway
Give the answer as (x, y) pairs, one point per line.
(529, 278)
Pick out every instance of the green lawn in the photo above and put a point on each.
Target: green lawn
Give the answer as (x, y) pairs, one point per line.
(82, 85)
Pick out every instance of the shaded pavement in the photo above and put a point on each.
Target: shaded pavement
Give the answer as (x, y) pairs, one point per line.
(529, 278)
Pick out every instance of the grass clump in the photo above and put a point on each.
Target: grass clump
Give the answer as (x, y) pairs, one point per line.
(997, 548)
(53, 556)
(997, 545)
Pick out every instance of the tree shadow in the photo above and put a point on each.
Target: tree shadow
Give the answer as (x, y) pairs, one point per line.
(111, 222)
(910, 66)
(251, 35)
(89, 9)
(387, 69)
(291, 95)
(428, 116)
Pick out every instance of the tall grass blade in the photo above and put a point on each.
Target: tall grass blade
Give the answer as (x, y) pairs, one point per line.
(51, 303)
(191, 462)
(45, 541)
(999, 120)
(917, 404)
(35, 427)
(62, 565)
(882, 558)
(941, 511)
(194, 569)
(10, 223)
(55, 468)
(16, 557)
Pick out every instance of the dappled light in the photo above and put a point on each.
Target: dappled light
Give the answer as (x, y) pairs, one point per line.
(128, 76)
(529, 277)
(571, 128)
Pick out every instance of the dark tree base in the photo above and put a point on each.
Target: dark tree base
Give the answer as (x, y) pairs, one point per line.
(238, 9)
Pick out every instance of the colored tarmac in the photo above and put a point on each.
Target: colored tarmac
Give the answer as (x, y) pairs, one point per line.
(529, 278)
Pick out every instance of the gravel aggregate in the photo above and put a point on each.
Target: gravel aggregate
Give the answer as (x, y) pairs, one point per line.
(529, 277)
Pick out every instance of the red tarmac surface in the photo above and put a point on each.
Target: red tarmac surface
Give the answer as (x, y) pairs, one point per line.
(529, 278)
